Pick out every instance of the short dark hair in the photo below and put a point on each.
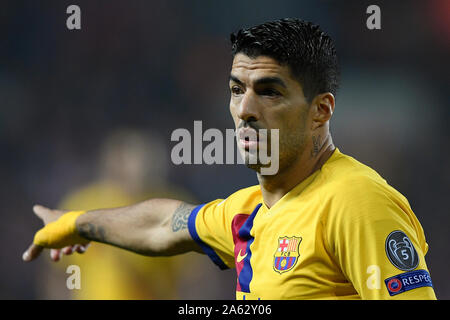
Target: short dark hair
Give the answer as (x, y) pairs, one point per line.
(302, 46)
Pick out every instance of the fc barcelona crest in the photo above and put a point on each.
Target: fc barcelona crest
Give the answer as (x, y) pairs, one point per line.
(287, 254)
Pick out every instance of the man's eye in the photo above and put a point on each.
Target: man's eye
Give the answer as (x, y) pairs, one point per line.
(236, 90)
(270, 92)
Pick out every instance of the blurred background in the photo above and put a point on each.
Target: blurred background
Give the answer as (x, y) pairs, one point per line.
(86, 118)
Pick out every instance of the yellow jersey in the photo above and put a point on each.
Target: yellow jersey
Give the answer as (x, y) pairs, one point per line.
(342, 233)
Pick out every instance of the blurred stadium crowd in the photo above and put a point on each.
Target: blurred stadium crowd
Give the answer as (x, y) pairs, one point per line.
(86, 118)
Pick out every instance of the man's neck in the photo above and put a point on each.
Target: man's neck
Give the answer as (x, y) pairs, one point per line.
(274, 187)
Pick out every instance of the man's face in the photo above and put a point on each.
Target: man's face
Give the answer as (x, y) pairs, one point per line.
(265, 96)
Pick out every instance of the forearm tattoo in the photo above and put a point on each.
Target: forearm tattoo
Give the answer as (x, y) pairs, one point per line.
(180, 217)
(92, 232)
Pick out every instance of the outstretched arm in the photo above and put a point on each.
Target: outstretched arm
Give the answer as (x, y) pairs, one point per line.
(155, 227)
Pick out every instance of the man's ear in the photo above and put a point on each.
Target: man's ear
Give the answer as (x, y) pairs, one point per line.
(322, 108)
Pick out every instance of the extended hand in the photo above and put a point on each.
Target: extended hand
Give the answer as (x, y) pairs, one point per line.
(50, 216)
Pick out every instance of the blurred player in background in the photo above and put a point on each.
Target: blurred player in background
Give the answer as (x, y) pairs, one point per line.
(325, 226)
(133, 167)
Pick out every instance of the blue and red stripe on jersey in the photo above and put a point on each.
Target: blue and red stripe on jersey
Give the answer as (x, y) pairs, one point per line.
(241, 227)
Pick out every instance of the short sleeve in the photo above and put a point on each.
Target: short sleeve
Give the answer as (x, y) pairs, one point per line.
(379, 243)
(209, 225)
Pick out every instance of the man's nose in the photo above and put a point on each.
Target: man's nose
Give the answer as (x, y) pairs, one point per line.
(248, 108)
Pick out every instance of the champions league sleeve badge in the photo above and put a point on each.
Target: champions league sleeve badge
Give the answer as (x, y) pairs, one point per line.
(401, 252)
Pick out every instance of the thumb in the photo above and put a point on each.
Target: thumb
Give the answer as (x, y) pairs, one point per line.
(47, 215)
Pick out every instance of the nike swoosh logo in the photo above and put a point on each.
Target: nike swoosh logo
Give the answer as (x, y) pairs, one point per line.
(239, 257)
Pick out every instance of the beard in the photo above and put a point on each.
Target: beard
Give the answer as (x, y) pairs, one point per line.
(291, 147)
(292, 143)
